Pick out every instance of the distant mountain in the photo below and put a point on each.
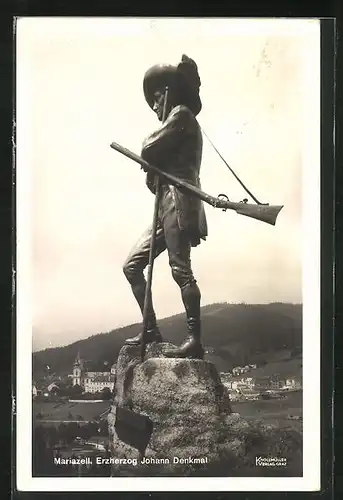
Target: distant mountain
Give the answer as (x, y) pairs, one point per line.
(238, 334)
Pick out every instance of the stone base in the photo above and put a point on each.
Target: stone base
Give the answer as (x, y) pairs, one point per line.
(194, 429)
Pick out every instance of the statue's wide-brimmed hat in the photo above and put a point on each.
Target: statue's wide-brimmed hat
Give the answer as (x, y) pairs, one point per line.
(184, 77)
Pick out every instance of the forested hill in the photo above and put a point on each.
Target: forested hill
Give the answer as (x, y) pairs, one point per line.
(236, 333)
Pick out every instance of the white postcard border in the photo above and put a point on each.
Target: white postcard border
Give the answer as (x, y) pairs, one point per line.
(311, 311)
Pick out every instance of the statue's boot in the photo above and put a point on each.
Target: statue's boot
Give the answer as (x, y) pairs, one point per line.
(191, 347)
(152, 335)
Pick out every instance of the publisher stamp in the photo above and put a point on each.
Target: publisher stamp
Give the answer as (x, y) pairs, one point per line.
(271, 462)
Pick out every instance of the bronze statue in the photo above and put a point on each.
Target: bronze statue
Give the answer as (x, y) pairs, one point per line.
(171, 157)
(175, 148)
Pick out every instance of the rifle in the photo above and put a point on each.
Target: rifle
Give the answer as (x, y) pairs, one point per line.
(260, 211)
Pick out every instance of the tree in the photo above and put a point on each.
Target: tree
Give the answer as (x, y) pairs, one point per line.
(75, 390)
(106, 393)
(85, 432)
(51, 436)
(39, 454)
(62, 432)
(265, 395)
(103, 427)
(93, 428)
(55, 391)
(71, 432)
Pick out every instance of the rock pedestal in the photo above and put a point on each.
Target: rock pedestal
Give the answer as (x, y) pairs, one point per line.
(194, 429)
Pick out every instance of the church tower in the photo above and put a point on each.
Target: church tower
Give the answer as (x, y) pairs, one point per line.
(78, 371)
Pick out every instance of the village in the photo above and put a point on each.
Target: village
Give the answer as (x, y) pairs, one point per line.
(70, 418)
(81, 381)
(84, 385)
(242, 384)
(70, 412)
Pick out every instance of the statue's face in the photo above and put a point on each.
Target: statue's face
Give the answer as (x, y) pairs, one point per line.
(158, 104)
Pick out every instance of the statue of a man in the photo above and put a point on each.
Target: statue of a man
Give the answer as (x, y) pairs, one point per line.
(175, 147)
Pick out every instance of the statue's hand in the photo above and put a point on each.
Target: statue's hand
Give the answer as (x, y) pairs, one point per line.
(150, 181)
(144, 156)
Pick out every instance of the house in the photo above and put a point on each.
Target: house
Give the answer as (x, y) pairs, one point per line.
(51, 386)
(249, 382)
(276, 384)
(98, 382)
(241, 385)
(228, 384)
(262, 382)
(237, 370)
(250, 394)
(292, 383)
(225, 377)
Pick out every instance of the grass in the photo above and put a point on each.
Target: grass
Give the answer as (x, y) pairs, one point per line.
(53, 411)
(273, 411)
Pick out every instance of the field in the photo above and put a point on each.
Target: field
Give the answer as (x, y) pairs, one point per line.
(273, 411)
(270, 411)
(61, 411)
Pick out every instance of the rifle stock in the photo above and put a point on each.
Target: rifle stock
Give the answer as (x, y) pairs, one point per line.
(265, 213)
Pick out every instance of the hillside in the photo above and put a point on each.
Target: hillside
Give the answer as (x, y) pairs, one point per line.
(237, 333)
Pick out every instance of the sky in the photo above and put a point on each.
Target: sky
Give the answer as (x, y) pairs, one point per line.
(79, 87)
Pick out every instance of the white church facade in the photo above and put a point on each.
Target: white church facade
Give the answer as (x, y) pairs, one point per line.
(92, 381)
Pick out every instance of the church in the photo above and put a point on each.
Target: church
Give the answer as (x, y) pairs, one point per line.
(92, 381)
